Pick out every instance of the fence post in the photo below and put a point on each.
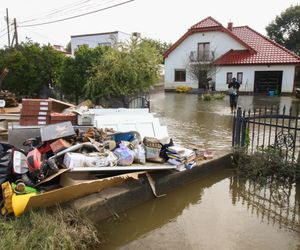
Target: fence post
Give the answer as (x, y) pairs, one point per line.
(243, 129)
(238, 123)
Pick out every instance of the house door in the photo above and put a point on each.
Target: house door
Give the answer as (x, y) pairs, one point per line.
(264, 81)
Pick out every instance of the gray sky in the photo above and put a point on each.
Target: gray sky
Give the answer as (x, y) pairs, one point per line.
(165, 20)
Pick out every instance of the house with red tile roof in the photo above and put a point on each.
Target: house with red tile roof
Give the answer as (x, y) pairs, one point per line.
(258, 63)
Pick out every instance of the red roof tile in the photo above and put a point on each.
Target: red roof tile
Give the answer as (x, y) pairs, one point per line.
(267, 51)
(207, 23)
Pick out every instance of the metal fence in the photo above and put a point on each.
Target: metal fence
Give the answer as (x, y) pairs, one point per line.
(139, 102)
(267, 127)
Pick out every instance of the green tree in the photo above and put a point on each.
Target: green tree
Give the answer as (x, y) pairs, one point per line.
(69, 47)
(77, 70)
(31, 68)
(161, 47)
(123, 72)
(285, 29)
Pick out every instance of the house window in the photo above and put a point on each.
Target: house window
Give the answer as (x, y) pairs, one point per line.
(203, 52)
(239, 77)
(180, 75)
(228, 77)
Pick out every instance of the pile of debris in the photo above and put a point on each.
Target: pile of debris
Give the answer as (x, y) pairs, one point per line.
(9, 98)
(39, 173)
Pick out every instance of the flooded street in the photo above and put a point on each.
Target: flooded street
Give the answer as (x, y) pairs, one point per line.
(219, 211)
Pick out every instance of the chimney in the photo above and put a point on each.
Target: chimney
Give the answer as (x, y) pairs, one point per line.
(230, 26)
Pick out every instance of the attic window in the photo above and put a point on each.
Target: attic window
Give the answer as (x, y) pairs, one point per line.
(180, 75)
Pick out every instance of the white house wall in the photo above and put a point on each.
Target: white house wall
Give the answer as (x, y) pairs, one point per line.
(97, 39)
(248, 76)
(220, 43)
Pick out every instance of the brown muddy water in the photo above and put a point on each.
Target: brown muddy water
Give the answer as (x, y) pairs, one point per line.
(219, 211)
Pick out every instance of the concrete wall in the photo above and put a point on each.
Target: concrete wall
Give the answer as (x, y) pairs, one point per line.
(248, 76)
(220, 43)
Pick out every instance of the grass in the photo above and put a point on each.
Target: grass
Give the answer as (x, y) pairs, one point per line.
(210, 96)
(48, 229)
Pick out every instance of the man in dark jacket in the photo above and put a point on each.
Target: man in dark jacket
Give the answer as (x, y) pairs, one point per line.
(233, 91)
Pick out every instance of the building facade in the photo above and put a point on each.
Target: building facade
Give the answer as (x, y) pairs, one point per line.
(98, 39)
(257, 62)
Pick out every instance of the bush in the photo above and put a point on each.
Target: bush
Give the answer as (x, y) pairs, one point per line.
(263, 164)
(210, 96)
(183, 89)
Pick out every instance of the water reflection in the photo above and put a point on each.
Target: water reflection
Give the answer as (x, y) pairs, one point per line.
(156, 213)
(220, 211)
(274, 203)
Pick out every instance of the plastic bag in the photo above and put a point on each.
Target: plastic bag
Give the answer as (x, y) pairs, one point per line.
(124, 154)
(139, 154)
(232, 91)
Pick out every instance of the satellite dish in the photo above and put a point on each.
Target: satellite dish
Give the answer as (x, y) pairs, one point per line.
(2, 103)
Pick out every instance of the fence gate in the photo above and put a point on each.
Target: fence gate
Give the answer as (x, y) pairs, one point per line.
(268, 127)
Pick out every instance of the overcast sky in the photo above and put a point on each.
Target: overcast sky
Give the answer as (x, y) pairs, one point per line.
(165, 20)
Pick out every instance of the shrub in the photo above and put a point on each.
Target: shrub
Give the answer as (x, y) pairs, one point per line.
(183, 89)
(210, 96)
(263, 164)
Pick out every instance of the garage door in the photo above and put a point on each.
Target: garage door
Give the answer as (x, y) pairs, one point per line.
(264, 81)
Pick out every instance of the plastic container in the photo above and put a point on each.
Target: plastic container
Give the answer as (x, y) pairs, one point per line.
(271, 93)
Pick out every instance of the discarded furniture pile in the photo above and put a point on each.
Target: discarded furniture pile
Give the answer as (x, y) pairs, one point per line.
(65, 160)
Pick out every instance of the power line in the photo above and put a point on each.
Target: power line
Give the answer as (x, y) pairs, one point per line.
(80, 15)
(52, 12)
(39, 34)
(73, 10)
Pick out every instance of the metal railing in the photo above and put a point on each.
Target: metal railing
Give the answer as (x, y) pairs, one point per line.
(142, 101)
(267, 127)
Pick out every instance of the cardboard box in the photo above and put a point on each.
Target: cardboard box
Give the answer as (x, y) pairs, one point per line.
(76, 160)
(59, 145)
(82, 188)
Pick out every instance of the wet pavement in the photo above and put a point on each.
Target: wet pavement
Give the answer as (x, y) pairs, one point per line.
(219, 211)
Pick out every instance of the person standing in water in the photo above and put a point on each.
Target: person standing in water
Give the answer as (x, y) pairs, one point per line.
(233, 91)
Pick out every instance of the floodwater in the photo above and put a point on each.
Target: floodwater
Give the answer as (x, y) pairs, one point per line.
(219, 211)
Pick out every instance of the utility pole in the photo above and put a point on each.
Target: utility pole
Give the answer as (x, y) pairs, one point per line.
(16, 32)
(8, 31)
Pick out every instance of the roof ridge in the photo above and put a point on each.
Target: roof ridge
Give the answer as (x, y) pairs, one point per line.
(273, 42)
(205, 19)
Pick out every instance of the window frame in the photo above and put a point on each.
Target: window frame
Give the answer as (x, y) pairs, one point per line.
(227, 77)
(204, 55)
(239, 77)
(182, 75)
